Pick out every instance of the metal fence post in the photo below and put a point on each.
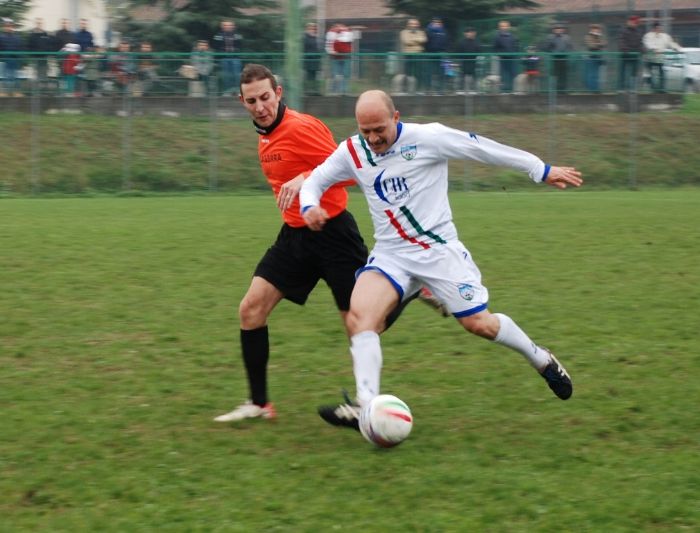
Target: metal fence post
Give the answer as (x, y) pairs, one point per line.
(213, 135)
(126, 137)
(36, 136)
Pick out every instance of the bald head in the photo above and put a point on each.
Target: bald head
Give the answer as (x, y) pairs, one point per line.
(374, 101)
(377, 120)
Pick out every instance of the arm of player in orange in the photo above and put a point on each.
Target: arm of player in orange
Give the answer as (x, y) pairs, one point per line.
(290, 190)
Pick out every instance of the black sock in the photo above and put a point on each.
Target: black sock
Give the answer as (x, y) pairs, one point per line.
(255, 346)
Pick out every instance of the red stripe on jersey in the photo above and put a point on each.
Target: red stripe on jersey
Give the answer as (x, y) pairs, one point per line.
(353, 153)
(401, 231)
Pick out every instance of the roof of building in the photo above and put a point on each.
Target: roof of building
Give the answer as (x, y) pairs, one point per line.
(338, 9)
(600, 6)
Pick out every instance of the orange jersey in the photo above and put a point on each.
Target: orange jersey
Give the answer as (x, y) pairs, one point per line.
(298, 144)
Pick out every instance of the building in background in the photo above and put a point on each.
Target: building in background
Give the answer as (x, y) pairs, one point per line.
(679, 18)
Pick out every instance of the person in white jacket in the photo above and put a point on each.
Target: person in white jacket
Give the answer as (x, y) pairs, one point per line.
(402, 170)
(656, 42)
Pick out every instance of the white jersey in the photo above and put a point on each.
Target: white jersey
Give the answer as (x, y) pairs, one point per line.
(406, 187)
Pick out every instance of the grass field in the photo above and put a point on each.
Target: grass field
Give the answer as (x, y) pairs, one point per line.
(118, 344)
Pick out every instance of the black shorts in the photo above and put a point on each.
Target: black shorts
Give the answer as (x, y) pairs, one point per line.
(300, 257)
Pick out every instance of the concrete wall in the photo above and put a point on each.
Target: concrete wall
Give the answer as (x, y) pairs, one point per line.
(344, 106)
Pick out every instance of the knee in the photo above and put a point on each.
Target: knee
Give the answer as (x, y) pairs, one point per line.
(482, 326)
(356, 322)
(251, 313)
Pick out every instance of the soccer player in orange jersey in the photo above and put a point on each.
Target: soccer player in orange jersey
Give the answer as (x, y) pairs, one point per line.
(290, 146)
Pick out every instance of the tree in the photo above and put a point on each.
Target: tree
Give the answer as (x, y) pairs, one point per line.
(455, 13)
(189, 20)
(14, 9)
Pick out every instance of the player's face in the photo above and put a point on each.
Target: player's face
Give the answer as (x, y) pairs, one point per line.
(378, 127)
(261, 101)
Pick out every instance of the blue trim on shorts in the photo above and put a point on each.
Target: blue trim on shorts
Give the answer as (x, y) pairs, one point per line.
(472, 311)
(398, 287)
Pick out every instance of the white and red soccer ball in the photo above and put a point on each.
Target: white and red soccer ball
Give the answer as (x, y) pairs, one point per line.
(386, 421)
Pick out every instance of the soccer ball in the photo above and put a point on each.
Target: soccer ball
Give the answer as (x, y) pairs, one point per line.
(386, 421)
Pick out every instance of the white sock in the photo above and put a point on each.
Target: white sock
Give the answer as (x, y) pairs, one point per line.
(366, 364)
(513, 337)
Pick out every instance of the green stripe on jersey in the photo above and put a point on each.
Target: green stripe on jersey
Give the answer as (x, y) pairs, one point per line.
(367, 152)
(409, 216)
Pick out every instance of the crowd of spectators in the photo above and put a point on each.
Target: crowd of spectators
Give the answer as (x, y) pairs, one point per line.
(71, 63)
(505, 65)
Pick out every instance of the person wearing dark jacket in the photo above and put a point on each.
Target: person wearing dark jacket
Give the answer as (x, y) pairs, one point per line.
(436, 44)
(10, 42)
(469, 45)
(63, 36)
(506, 44)
(312, 59)
(632, 48)
(83, 37)
(559, 45)
(227, 41)
(40, 41)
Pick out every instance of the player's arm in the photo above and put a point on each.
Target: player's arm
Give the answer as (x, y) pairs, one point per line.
(463, 145)
(289, 190)
(315, 144)
(333, 170)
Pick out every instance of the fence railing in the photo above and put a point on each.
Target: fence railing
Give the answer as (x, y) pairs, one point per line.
(116, 122)
(198, 75)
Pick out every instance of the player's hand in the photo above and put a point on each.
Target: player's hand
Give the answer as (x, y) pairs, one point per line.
(289, 191)
(562, 177)
(315, 218)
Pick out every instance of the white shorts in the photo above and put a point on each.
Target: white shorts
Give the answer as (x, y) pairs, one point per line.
(448, 271)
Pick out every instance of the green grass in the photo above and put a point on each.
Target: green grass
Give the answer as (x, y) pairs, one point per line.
(118, 344)
(101, 154)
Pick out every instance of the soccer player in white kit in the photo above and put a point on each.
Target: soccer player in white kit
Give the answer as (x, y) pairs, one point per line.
(402, 170)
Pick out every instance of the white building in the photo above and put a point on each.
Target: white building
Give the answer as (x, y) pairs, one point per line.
(52, 11)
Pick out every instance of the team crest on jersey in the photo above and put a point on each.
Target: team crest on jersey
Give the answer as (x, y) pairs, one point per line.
(466, 291)
(409, 151)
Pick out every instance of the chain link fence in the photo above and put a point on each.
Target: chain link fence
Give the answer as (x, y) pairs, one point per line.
(125, 123)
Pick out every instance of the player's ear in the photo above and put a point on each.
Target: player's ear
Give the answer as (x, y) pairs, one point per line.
(397, 116)
(278, 91)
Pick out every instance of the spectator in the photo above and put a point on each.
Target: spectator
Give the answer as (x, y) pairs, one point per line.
(228, 42)
(656, 42)
(436, 44)
(63, 36)
(532, 70)
(70, 67)
(595, 43)
(83, 37)
(202, 61)
(123, 67)
(312, 59)
(339, 46)
(506, 44)
(631, 48)
(413, 40)
(10, 42)
(469, 46)
(40, 41)
(147, 70)
(93, 61)
(559, 45)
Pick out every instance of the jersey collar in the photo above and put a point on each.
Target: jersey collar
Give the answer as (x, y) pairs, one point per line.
(269, 129)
